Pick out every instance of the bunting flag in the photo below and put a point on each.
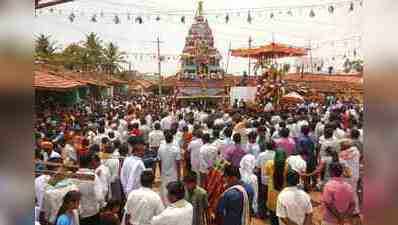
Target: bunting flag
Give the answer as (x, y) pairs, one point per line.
(116, 19)
(94, 18)
(72, 17)
(249, 17)
(220, 15)
(312, 13)
(331, 9)
(351, 7)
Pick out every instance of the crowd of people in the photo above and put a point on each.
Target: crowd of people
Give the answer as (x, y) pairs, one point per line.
(140, 160)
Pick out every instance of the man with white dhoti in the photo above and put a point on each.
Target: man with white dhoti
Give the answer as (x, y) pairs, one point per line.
(133, 166)
(170, 168)
(179, 212)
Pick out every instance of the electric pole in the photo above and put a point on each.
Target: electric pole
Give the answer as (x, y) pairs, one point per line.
(229, 53)
(159, 67)
(250, 46)
(310, 48)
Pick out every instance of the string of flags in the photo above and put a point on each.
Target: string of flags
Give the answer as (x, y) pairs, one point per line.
(135, 56)
(266, 13)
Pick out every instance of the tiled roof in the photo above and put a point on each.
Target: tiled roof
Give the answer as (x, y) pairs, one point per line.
(325, 78)
(43, 80)
(114, 80)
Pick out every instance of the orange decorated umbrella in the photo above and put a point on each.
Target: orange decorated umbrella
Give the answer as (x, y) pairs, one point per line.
(272, 50)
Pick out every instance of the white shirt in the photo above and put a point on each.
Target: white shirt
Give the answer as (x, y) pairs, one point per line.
(69, 152)
(218, 121)
(104, 176)
(330, 142)
(130, 175)
(352, 161)
(113, 165)
(92, 194)
(155, 138)
(41, 185)
(203, 117)
(207, 157)
(52, 201)
(178, 213)
(339, 134)
(194, 148)
(168, 155)
(148, 119)
(262, 159)
(98, 138)
(319, 128)
(294, 204)
(166, 122)
(297, 163)
(299, 125)
(53, 154)
(142, 205)
(218, 143)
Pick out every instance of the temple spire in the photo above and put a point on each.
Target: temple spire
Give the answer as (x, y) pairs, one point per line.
(200, 9)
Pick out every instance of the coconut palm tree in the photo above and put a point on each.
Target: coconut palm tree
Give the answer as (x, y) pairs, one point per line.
(44, 47)
(94, 51)
(113, 57)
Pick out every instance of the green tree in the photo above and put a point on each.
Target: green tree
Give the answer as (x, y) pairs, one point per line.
(94, 51)
(44, 47)
(75, 57)
(357, 65)
(112, 58)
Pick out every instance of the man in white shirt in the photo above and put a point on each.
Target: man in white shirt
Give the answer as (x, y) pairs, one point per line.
(252, 147)
(133, 166)
(104, 176)
(166, 122)
(143, 203)
(145, 129)
(52, 200)
(93, 197)
(179, 212)
(148, 119)
(207, 157)
(297, 163)
(328, 140)
(194, 150)
(42, 182)
(155, 138)
(170, 168)
(113, 164)
(293, 205)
